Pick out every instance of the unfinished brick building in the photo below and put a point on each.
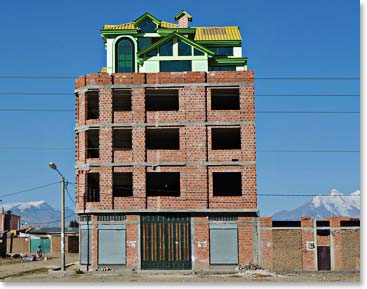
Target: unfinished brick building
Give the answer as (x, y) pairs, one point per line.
(165, 149)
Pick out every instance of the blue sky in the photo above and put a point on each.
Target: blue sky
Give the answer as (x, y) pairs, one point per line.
(281, 39)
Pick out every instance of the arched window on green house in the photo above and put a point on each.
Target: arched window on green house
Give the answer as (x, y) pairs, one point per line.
(125, 55)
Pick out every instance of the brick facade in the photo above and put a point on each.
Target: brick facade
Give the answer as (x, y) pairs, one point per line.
(9, 222)
(284, 247)
(195, 159)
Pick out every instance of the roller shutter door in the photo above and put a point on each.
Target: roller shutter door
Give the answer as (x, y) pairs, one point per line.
(111, 245)
(223, 244)
(85, 244)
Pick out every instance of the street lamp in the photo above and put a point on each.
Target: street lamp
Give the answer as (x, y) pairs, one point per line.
(54, 167)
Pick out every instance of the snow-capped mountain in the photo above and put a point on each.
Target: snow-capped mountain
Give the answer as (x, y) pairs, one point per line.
(335, 204)
(38, 213)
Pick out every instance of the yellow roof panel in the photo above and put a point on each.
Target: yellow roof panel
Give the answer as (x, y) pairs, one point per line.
(165, 24)
(131, 25)
(119, 26)
(217, 33)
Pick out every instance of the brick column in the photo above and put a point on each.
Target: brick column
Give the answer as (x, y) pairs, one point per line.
(266, 243)
(132, 241)
(94, 227)
(308, 256)
(201, 243)
(245, 240)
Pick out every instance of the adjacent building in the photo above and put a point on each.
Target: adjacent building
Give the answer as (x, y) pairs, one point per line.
(165, 149)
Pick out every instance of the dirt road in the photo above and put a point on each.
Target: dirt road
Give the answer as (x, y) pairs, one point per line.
(37, 271)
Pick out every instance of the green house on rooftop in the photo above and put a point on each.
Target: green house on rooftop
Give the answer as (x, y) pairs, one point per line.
(152, 45)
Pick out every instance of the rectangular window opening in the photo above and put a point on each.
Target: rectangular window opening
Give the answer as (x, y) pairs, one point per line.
(227, 184)
(161, 100)
(122, 139)
(122, 184)
(93, 187)
(225, 99)
(222, 51)
(175, 65)
(162, 139)
(121, 99)
(226, 138)
(93, 143)
(92, 104)
(163, 184)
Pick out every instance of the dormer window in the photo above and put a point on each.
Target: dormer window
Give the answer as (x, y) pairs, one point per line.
(125, 55)
(147, 26)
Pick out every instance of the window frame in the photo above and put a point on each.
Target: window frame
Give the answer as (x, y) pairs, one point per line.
(117, 56)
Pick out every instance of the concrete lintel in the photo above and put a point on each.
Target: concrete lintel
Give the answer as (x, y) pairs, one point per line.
(162, 124)
(162, 85)
(137, 211)
(90, 165)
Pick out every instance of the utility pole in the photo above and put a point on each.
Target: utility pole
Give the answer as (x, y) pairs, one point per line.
(63, 183)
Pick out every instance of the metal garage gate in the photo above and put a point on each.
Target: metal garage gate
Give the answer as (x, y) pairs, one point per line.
(85, 244)
(111, 244)
(223, 244)
(44, 242)
(165, 242)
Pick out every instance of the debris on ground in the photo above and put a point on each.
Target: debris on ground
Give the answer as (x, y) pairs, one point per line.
(103, 269)
(252, 270)
(29, 257)
(249, 266)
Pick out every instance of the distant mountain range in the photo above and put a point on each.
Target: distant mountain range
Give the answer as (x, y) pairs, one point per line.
(39, 213)
(335, 204)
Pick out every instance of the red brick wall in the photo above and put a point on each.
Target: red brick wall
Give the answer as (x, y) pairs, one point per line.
(195, 139)
(9, 222)
(287, 250)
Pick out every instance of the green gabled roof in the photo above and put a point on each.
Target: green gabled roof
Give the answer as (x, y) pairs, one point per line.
(175, 35)
(145, 16)
(183, 12)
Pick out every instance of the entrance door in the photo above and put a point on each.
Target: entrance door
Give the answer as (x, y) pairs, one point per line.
(165, 242)
(323, 258)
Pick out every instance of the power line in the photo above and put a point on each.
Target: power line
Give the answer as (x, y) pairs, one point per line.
(248, 78)
(260, 94)
(35, 110)
(318, 95)
(256, 112)
(306, 112)
(30, 189)
(36, 93)
(53, 221)
(68, 193)
(34, 148)
(211, 198)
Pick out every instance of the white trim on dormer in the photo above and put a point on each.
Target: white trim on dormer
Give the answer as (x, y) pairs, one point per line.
(111, 57)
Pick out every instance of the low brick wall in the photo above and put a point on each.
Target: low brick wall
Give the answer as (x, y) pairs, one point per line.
(71, 244)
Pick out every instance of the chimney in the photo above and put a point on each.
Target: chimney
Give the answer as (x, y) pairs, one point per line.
(183, 18)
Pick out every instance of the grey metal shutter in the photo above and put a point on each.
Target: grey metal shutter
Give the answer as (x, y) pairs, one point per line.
(111, 244)
(85, 244)
(223, 244)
